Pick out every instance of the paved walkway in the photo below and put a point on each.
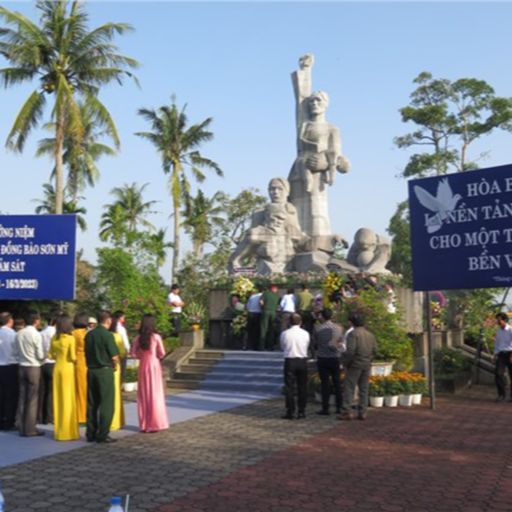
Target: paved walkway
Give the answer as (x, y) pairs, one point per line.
(457, 458)
(181, 407)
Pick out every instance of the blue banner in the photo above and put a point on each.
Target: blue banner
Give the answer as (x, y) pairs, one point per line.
(37, 257)
(461, 230)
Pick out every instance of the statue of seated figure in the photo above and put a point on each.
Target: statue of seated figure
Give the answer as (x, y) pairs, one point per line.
(275, 235)
(370, 252)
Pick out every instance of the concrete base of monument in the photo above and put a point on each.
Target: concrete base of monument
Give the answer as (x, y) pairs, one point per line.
(315, 261)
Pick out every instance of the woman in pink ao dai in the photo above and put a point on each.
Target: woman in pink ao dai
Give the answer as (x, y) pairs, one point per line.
(149, 349)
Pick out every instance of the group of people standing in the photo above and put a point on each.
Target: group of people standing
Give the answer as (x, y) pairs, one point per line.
(70, 373)
(352, 350)
(269, 314)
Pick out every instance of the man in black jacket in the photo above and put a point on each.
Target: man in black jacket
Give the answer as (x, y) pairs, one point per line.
(357, 359)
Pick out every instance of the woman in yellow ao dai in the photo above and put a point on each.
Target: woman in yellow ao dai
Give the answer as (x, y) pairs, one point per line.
(118, 421)
(63, 351)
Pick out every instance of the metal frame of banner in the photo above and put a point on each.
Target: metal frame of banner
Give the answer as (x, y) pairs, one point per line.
(431, 379)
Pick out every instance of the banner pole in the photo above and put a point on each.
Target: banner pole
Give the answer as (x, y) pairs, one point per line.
(431, 379)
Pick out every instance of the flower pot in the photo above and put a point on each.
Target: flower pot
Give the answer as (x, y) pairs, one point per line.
(130, 386)
(405, 400)
(196, 327)
(381, 368)
(416, 399)
(391, 400)
(376, 401)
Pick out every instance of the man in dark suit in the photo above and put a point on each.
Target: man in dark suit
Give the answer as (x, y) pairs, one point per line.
(357, 360)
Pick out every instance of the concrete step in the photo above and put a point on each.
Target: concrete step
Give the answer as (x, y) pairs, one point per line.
(183, 384)
(241, 386)
(203, 361)
(256, 378)
(221, 367)
(210, 354)
(246, 370)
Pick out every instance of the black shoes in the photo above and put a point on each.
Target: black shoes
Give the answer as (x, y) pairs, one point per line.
(322, 412)
(301, 415)
(500, 398)
(287, 416)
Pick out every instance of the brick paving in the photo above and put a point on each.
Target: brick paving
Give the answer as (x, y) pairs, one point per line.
(457, 458)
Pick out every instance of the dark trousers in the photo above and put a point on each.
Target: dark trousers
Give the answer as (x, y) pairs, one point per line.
(308, 323)
(295, 374)
(356, 377)
(9, 391)
(503, 363)
(176, 323)
(267, 330)
(285, 320)
(29, 378)
(253, 330)
(45, 411)
(100, 402)
(329, 372)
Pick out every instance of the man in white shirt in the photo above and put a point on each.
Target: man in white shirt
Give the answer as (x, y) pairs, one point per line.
(176, 304)
(45, 411)
(30, 353)
(502, 355)
(294, 344)
(253, 308)
(8, 373)
(287, 306)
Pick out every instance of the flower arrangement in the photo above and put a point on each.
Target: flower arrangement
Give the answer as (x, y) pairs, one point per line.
(242, 286)
(195, 313)
(330, 286)
(402, 383)
(239, 323)
(377, 386)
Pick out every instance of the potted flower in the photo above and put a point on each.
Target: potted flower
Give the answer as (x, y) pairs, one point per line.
(195, 314)
(391, 391)
(315, 387)
(376, 391)
(419, 387)
(130, 379)
(406, 388)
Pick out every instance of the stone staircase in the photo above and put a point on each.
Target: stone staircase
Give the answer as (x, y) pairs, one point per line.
(232, 370)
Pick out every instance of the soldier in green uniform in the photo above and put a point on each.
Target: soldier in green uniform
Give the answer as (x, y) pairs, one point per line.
(269, 302)
(101, 354)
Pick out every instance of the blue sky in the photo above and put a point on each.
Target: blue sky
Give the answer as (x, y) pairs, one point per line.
(232, 61)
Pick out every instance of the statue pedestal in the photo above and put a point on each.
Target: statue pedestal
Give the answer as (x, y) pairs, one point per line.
(311, 261)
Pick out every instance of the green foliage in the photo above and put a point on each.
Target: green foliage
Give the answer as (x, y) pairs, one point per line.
(135, 290)
(449, 361)
(448, 117)
(131, 375)
(171, 343)
(400, 231)
(393, 342)
(70, 63)
(178, 145)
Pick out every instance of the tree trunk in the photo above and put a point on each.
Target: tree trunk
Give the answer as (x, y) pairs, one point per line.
(176, 250)
(198, 248)
(59, 165)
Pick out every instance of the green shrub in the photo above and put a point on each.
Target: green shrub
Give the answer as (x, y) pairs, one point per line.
(448, 361)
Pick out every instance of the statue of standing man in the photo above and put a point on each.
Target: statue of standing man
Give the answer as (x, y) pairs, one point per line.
(318, 159)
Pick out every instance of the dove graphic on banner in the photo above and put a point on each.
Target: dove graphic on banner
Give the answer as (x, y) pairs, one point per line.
(444, 201)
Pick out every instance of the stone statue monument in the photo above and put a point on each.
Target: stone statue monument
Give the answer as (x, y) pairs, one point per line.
(275, 235)
(293, 233)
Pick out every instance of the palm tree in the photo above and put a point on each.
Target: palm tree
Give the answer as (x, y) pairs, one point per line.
(129, 198)
(178, 146)
(112, 223)
(47, 206)
(200, 215)
(69, 62)
(80, 156)
(157, 246)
